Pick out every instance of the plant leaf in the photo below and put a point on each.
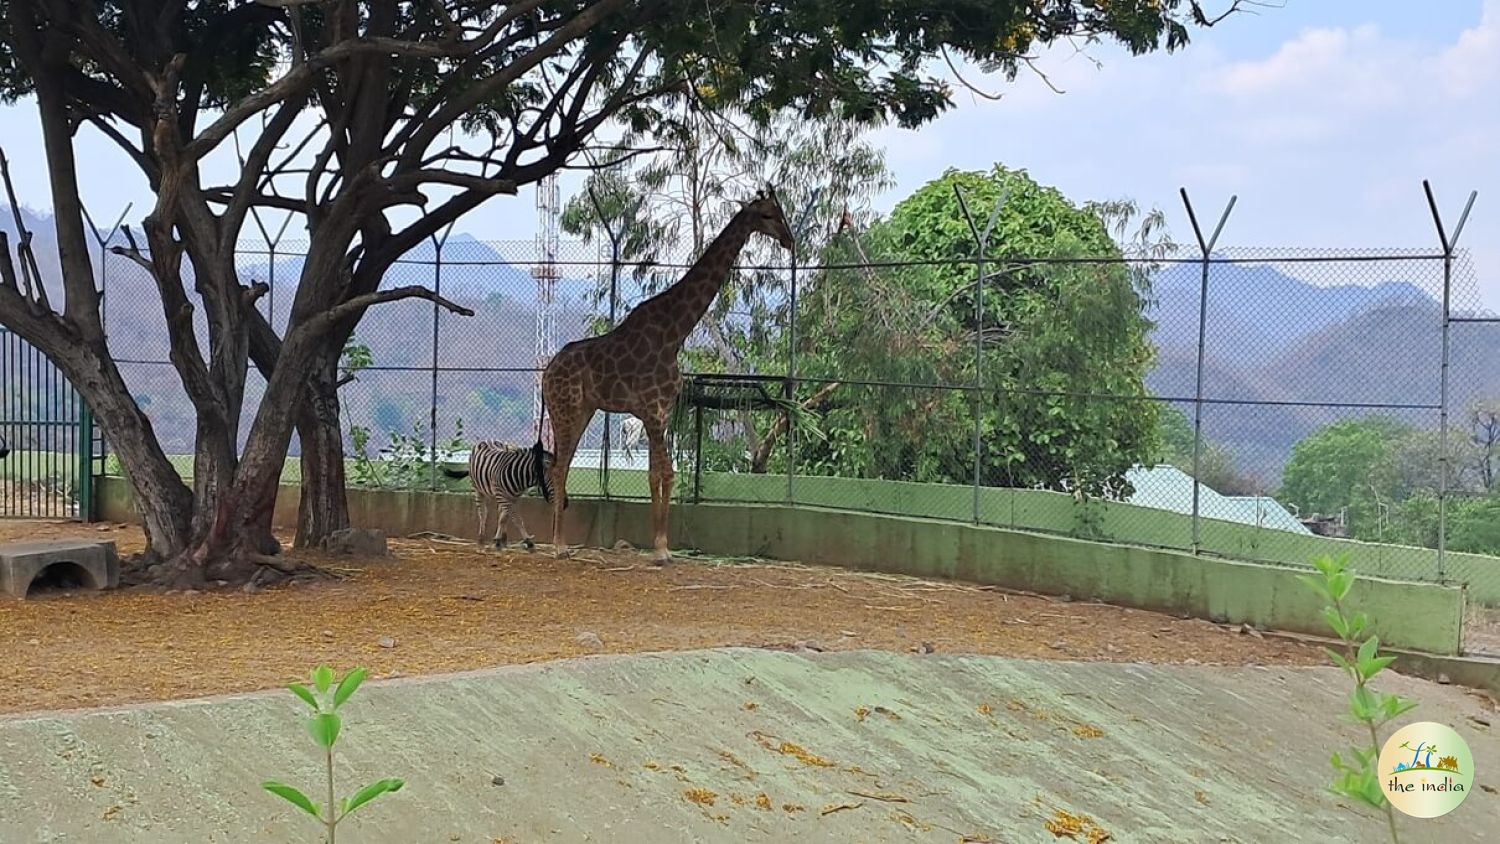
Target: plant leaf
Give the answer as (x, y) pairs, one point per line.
(1375, 666)
(324, 728)
(323, 678)
(1337, 658)
(1317, 585)
(301, 691)
(1357, 624)
(1335, 619)
(372, 791)
(292, 795)
(1343, 581)
(347, 686)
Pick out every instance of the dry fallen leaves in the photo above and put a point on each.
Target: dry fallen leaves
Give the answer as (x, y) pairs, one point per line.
(701, 796)
(247, 642)
(1064, 823)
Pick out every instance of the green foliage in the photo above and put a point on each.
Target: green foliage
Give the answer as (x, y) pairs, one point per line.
(406, 463)
(1385, 474)
(355, 357)
(1347, 464)
(1358, 778)
(325, 725)
(1069, 329)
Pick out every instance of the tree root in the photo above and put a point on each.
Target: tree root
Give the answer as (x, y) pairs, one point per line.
(241, 567)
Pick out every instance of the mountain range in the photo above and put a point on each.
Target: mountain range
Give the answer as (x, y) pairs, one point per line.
(1282, 343)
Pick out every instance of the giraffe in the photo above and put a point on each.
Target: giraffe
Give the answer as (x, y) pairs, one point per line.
(633, 367)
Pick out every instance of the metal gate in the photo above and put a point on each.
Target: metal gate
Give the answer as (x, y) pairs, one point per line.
(49, 434)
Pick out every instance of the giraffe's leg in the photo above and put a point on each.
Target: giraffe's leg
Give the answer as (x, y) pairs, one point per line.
(661, 488)
(565, 437)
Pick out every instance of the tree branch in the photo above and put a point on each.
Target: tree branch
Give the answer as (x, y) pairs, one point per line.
(410, 181)
(254, 164)
(459, 104)
(353, 307)
(36, 286)
(224, 195)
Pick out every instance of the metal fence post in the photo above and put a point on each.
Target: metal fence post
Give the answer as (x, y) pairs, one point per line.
(789, 387)
(437, 310)
(1444, 464)
(103, 241)
(84, 451)
(789, 390)
(1206, 248)
(271, 244)
(981, 242)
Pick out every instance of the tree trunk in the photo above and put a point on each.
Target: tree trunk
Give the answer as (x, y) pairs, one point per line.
(163, 502)
(324, 507)
(231, 540)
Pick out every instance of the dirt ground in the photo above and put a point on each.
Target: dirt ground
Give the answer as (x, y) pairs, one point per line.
(440, 606)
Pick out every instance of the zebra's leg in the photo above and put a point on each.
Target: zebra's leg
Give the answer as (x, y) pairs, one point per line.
(511, 514)
(483, 512)
(500, 522)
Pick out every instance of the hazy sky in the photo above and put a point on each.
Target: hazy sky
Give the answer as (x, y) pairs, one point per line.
(1323, 116)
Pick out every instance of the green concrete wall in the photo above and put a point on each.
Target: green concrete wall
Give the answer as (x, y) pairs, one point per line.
(1059, 513)
(1415, 616)
(1043, 512)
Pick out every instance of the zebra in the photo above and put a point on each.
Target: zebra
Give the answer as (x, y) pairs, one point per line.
(633, 429)
(500, 473)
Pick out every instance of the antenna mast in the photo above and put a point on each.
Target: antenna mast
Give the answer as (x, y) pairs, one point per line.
(549, 214)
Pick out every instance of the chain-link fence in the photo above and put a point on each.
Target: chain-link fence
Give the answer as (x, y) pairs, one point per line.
(1259, 404)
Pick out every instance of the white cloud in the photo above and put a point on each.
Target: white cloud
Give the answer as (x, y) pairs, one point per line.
(1474, 60)
(1325, 134)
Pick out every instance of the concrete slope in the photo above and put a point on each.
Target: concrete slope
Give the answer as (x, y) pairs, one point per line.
(741, 745)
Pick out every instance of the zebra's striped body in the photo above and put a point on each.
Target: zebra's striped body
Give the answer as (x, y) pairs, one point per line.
(500, 473)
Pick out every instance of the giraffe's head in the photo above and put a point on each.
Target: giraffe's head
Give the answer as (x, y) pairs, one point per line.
(766, 217)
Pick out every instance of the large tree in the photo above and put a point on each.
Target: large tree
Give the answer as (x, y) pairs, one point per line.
(1352, 466)
(348, 110)
(1058, 334)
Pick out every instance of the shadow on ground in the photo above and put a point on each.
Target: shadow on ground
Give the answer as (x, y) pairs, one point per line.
(744, 745)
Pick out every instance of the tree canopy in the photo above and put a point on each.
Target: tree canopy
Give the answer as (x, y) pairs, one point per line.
(1054, 337)
(350, 111)
(1384, 474)
(1348, 464)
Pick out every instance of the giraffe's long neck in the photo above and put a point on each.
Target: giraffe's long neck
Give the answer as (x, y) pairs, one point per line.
(679, 308)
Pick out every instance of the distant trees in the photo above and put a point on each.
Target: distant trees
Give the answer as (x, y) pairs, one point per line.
(1383, 474)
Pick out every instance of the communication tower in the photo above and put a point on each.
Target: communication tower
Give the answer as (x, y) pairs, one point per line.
(549, 214)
